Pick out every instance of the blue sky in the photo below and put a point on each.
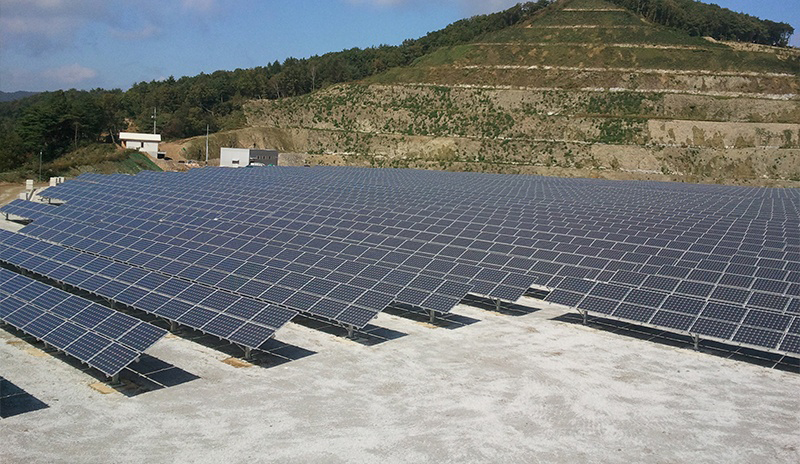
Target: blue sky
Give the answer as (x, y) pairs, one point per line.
(60, 44)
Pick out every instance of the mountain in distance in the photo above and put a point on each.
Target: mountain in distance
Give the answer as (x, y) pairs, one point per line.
(616, 88)
(584, 87)
(14, 96)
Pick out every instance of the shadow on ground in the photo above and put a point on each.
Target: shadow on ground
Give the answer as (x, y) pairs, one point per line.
(444, 320)
(151, 374)
(132, 382)
(14, 400)
(488, 304)
(748, 355)
(370, 335)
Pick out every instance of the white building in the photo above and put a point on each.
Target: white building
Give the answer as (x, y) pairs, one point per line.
(143, 142)
(243, 157)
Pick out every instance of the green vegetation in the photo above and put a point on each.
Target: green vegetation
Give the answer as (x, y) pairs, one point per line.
(703, 19)
(97, 157)
(602, 56)
(654, 34)
(589, 18)
(57, 123)
(622, 103)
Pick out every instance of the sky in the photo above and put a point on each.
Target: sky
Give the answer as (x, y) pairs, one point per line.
(86, 44)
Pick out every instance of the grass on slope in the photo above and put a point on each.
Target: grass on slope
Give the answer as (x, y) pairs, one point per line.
(598, 55)
(601, 47)
(98, 158)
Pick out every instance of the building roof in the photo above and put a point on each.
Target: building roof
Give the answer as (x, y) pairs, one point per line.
(140, 137)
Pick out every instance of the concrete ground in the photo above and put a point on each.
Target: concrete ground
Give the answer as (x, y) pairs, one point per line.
(485, 387)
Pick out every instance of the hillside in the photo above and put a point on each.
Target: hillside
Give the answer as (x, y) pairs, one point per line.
(13, 96)
(94, 158)
(584, 87)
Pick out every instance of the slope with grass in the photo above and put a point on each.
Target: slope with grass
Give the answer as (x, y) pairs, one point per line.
(96, 158)
(583, 88)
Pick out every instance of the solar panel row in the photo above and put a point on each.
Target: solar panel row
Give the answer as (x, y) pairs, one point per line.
(631, 250)
(351, 242)
(307, 271)
(628, 256)
(100, 337)
(267, 273)
(240, 320)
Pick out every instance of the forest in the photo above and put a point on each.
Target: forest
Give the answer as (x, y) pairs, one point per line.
(57, 122)
(711, 20)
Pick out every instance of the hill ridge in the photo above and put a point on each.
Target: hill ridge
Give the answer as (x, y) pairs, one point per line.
(535, 103)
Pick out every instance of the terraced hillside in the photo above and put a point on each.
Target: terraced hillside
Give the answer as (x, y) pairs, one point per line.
(584, 88)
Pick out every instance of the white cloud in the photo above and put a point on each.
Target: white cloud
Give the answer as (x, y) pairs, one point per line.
(68, 75)
(39, 26)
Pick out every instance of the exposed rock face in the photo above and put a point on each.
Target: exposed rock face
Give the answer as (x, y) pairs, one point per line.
(585, 88)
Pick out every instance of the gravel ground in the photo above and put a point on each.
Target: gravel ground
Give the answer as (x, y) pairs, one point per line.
(497, 388)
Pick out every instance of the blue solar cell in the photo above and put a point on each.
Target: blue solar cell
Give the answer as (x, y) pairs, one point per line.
(713, 328)
(598, 305)
(758, 337)
(564, 297)
(273, 316)
(277, 294)
(791, 344)
(675, 321)
(22, 316)
(610, 291)
(724, 312)
(88, 346)
(196, 318)
(328, 308)
(251, 335)
(634, 312)
(767, 320)
(42, 325)
(223, 326)
(173, 309)
(113, 359)
(151, 302)
(768, 301)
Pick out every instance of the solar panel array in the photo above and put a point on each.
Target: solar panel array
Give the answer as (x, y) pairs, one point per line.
(715, 261)
(100, 337)
(241, 320)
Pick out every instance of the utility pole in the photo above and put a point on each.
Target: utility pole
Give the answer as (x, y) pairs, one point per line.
(40, 165)
(206, 144)
(154, 120)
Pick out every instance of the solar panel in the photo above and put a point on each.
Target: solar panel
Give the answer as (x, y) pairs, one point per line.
(103, 339)
(725, 244)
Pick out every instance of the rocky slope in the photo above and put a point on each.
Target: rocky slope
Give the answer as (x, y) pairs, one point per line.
(584, 88)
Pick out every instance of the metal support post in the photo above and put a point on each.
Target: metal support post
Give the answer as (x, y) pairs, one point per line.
(584, 314)
(696, 342)
(497, 305)
(173, 326)
(432, 315)
(248, 353)
(350, 330)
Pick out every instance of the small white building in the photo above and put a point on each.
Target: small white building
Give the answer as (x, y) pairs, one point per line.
(243, 157)
(143, 142)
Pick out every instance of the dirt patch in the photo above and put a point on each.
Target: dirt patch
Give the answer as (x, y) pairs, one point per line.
(10, 192)
(237, 363)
